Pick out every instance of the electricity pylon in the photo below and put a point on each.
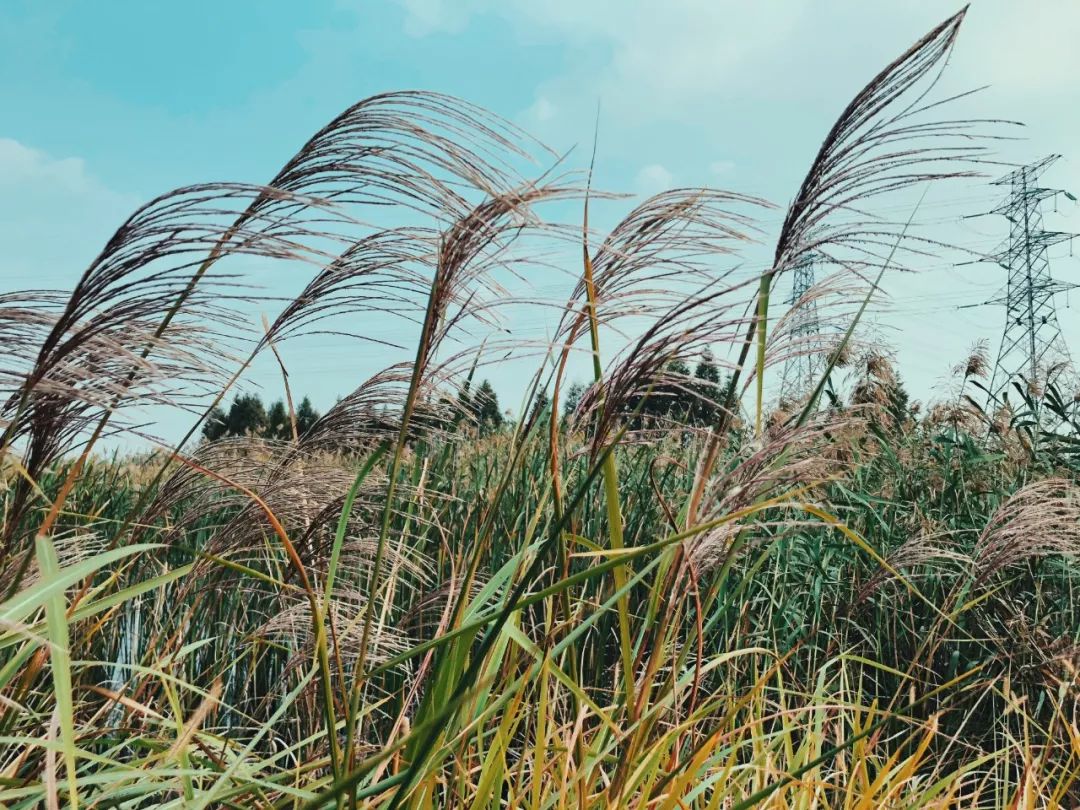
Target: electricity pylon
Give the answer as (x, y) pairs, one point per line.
(801, 371)
(1031, 343)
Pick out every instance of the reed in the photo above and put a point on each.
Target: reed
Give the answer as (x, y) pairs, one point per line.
(828, 603)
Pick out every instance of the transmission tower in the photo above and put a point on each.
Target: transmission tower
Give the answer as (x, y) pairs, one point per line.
(801, 371)
(1032, 341)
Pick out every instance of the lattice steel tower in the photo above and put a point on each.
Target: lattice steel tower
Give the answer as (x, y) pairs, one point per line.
(801, 371)
(1032, 341)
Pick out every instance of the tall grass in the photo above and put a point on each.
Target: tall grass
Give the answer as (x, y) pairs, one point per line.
(823, 603)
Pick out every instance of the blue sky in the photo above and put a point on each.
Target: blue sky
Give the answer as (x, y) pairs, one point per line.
(107, 104)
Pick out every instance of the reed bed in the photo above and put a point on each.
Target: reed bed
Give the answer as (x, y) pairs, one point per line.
(828, 602)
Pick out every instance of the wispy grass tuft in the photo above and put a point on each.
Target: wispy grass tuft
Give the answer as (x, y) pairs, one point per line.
(669, 593)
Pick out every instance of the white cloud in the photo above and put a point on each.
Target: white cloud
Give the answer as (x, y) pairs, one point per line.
(23, 168)
(653, 178)
(663, 56)
(747, 78)
(54, 216)
(542, 110)
(424, 17)
(683, 59)
(721, 167)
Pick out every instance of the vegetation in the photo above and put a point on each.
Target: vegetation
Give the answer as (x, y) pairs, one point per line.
(247, 416)
(672, 595)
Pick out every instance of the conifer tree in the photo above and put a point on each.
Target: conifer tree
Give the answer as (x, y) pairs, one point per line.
(486, 404)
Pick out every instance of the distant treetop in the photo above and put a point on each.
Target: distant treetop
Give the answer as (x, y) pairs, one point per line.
(247, 416)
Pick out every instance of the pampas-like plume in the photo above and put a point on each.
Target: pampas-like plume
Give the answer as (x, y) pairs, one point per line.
(713, 317)
(881, 143)
(924, 549)
(292, 626)
(660, 254)
(103, 346)
(366, 416)
(71, 548)
(304, 488)
(427, 151)
(977, 363)
(658, 264)
(1038, 520)
(834, 301)
(790, 458)
(147, 287)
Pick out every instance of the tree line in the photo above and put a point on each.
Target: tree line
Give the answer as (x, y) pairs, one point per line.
(678, 397)
(248, 416)
(682, 397)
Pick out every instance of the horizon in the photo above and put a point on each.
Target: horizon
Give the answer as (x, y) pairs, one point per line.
(570, 73)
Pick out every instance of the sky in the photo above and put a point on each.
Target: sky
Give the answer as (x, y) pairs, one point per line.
(108, 104)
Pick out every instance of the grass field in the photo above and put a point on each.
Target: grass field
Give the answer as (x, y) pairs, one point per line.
(831, 600)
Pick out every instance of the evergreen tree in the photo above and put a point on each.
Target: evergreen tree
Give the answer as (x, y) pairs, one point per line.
(464, 410)
(278, 425)
(247, 417)
(669, 398)
(706, 368)
(216, 424)
(541, 405)
(306, 417)
(707, 389)
(899, 405)
(677, 393)
(573, 398)
(486, 404)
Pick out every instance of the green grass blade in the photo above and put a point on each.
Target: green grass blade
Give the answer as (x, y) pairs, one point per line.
(60, 653)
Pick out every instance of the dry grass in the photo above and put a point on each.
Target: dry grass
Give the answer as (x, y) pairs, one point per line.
(829, 604)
